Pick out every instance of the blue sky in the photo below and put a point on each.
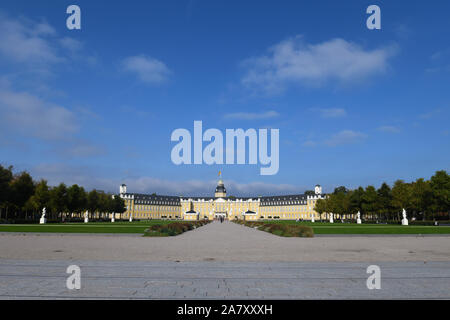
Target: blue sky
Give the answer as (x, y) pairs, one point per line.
(97, 106)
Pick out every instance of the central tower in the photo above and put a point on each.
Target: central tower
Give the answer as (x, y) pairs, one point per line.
(221, 192)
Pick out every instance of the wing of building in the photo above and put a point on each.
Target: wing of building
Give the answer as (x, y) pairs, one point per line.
(289, 207)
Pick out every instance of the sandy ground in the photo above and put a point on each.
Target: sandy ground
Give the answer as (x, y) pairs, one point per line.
(224, 242)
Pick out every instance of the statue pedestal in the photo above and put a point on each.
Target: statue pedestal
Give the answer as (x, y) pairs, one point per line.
(358, 221)
(112, 219)
(404, 222)
(312, 219)
(331, 220)
(42, 221)
(86, 220)
(131, 219)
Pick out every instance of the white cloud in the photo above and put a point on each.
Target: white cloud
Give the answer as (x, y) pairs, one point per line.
(71, 44)
(206, 188)
(26, 41)
(147, 69)
(439, 61)
(98, 178)
(293, 61)
(261, 189)
(35, 47)
(81, 149)
(135, 111)
(403, 31)
(309, 143)
(389, 129)
(87, 113)
(85, 176)
(42, 28)
(345, 137)
(440, 55)
(430, 114)
(332, 112)
(27, 114)
(252, 115)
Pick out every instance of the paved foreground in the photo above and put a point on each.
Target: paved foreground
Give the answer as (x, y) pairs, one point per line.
(223, 261)
(222, 280)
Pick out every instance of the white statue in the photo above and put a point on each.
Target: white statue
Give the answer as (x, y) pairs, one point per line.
(131, 217)
(43, 219)
(331, 218)
(86, 217)
(112, 217)
(312, 218)
(358, 218)
(404, 220)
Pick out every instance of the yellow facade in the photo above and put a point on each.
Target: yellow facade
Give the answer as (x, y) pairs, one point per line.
(290, 207)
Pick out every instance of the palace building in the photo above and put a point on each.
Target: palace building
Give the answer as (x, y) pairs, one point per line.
(290, 207)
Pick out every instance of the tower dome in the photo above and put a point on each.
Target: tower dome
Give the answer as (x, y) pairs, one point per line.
(123, 189)
(318, 190)
(221, 192)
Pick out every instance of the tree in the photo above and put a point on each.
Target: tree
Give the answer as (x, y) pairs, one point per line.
(21, 188)
(341, 199)
(76, 199)
(118, 205)
(41, 197)
(340, 189)
(440, 187)
(369, 200)
(104, 203)
(384, 199)
(401, 197)
(6, 177)
(93, 202)
(59, 200)
(345, 202)
(338, 203)
(320, 207)
(356, 200)
(421, 197)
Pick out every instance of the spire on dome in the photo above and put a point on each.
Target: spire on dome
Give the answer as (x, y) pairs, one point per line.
(221, 192)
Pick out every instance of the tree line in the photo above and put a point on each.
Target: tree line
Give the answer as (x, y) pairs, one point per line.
(22, 198)
(422, 199)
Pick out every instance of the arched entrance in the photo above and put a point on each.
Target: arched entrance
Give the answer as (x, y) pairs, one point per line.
(218, 215)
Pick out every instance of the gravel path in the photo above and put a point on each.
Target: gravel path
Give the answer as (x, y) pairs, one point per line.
(224, 242)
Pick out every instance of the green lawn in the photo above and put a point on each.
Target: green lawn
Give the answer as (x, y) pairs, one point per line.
(94, 227)
(347, 228)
